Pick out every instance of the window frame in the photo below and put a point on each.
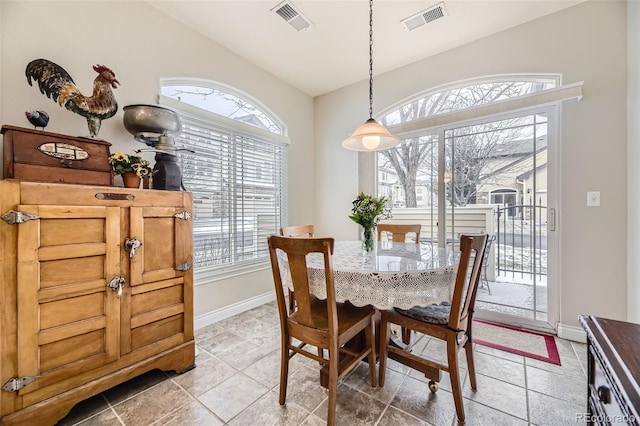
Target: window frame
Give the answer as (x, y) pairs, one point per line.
(237, 130)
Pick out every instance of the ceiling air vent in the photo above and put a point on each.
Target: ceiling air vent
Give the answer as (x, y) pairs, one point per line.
(421, 18)
(287, 11)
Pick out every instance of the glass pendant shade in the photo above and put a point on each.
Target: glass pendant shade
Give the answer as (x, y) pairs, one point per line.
(371, 136)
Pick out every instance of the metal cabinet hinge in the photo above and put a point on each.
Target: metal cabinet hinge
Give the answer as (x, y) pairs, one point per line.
(185, 215)
(12, 217)
(16, 383)
(184, 267)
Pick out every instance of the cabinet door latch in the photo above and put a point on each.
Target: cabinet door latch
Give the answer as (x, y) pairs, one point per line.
(116, 284)
(131, 245)
(16, 383)
(185, 215)
(184, 267)
(13, 217)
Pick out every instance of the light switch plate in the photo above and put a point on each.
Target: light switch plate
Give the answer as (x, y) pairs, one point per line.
(593, 199)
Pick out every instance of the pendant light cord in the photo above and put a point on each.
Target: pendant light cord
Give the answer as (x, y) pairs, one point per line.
(370, 59)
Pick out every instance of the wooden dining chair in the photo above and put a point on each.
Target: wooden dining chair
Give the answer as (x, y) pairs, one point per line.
(484, 281)
(301, 231)
(399, 235)
(451, 322)
(399, 231)
(298, 231)
(326, 324)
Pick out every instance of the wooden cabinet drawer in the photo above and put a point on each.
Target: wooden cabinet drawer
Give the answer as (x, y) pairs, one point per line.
(49, 157)
(604, 393)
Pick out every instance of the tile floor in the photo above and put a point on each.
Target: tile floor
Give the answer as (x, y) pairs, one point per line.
(237, 377)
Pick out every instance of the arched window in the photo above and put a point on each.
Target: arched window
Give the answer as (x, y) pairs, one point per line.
(235, 163)
(409, 173)
(227, 103)
(467, 95)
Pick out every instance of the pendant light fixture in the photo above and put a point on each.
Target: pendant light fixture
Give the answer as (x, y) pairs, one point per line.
(371, 136)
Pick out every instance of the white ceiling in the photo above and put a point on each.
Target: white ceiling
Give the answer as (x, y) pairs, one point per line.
(334, 52)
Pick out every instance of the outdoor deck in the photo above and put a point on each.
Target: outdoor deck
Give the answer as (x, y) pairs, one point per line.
(513, 298)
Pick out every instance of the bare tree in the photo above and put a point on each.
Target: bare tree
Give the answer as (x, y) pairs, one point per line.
(415, 156)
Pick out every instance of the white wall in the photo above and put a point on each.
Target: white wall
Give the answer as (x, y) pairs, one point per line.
(633, 159)
(143, 45)
(584, 43)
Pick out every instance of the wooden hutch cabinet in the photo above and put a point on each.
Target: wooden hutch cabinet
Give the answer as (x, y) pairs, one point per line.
(97, 288)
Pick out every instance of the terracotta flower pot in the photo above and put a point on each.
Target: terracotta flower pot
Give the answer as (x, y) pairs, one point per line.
(131, 180)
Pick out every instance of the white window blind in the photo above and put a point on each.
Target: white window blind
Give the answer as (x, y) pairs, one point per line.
(238, 180)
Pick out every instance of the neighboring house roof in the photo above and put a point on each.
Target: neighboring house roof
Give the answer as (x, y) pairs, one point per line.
(527, 174)
(251, 119)
(519, 147)
(524, 156)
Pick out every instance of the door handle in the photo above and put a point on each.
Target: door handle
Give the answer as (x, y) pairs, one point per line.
(551, 219)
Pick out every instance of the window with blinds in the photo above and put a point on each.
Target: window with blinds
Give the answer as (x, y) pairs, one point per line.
(237, 174)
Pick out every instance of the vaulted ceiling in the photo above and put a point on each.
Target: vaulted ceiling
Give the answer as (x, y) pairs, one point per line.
(333, 50)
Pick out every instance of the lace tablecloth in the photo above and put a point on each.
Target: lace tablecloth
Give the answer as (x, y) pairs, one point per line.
(400, 275)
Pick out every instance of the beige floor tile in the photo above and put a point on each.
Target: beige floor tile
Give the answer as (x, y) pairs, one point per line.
(152, 404)
(480, 415)
(353, 408)
(563, 387)
(499, 368)
(205, 376)
(192, 413)
(503, 396)
(270, 412)
(548, 411)
(232, 396)
(394, 417)
(237, 374)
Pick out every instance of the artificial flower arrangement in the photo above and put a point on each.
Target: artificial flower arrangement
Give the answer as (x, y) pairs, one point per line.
(124, 163)
(367, 211)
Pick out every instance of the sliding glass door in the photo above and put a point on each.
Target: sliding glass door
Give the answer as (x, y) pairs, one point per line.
(489, 175)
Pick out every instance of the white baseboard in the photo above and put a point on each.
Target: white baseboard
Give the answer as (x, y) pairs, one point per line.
(569, 332)
(231, 310)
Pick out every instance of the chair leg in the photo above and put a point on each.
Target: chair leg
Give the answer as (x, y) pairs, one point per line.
(471, 368)
(284, 370)
(383, 342)
(406, 336)
(484, 281)
(369, 338)
(454, 375)
(332, 386)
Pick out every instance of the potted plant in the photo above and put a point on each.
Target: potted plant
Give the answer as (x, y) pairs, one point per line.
(133, 168)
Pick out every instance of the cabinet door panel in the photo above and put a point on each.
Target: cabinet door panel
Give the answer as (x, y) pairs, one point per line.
(66, 351)
(151, 300)
(159, 294)
(69, 317)
(57, 272)
(156, 331)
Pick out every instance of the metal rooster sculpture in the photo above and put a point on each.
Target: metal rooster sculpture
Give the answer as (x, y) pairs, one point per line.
(58, 85)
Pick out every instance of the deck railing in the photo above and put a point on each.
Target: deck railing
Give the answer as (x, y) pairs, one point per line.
(521, 243)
